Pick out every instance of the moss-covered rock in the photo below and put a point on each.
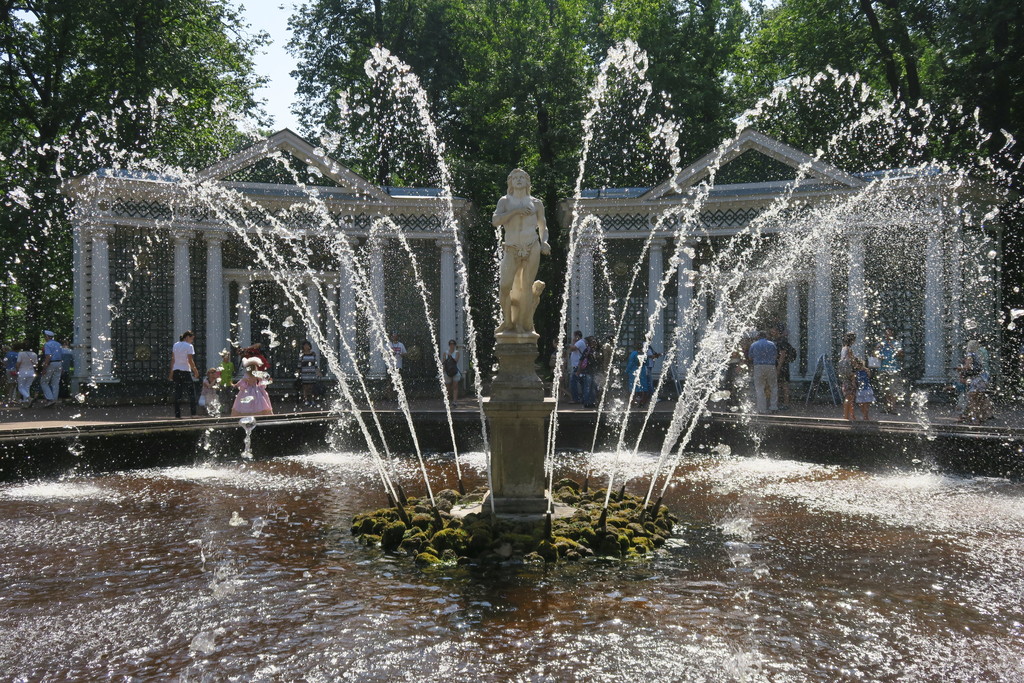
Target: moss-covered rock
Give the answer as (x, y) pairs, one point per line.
(452, 539)
(414, 544)
(480, 541)
(426, 559)
(392, 536)
(445, 500)
(547, 550)
(423, 520)
(434, 537)
(643, 545)
(608, 545)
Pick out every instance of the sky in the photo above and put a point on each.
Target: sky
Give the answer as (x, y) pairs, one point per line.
(279, 94)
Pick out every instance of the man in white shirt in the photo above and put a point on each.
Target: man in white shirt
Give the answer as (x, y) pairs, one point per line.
(183, 369)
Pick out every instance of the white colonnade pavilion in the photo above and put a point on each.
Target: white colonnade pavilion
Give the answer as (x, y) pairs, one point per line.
(155, 255)
(913, 254)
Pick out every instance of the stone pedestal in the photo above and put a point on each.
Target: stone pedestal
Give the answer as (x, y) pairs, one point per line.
(518, 414)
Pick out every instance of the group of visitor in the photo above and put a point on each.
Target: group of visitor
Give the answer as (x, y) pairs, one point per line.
(251, 396)
(761, 363)
(37, 375)
(639, 373)
(878, 376)
(855, 378)
(975, 379)
(586, 362)
(584, 369)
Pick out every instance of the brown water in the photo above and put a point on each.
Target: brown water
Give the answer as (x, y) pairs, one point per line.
(822, 574)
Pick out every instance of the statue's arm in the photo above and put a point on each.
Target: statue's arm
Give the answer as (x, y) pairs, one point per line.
(502, 213)
(542, 227)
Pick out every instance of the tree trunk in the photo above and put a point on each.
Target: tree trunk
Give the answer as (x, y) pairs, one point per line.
(892, 74)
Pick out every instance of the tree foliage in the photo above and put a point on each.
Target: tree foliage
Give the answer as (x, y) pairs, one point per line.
(80, 86)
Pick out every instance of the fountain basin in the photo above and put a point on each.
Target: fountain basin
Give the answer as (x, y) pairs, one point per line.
(804, 570)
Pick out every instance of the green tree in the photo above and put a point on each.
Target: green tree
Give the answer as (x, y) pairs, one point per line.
(692, 47)
(372, 126)
(77, 90)
(952, 57)
(505, 84)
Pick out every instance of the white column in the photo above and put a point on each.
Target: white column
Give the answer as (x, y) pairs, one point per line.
(216, 328)
(655, 271)
(79, 265)
(331, 318)
(347, 321)
(244, 308)
(856, 295)
(102, 348)
(793, 326)
(586, 288)
(378, 366)
(684, 298)
(313, 301)
(182, 284)
(448, 310)
(574, 292)
(820, 336)
(934, 346)
(955, 261)
(701, 323)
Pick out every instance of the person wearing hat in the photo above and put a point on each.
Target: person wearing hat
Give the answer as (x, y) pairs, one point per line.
(53, 365)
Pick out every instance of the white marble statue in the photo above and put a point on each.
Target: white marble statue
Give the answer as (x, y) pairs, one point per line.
(526, 238)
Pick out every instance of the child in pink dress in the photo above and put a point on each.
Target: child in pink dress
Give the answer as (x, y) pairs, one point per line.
(252, 398)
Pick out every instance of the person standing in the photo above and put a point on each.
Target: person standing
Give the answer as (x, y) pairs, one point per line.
(764, 356)
(52, 367)
(976, 380)
(890, 369)
(398, 351)
(585, 373)
(252, 398)
(647, 374)
(634, 383)
(68, 370)
(226, 376)
(183, 370)
(847, 378)
(452, 375)
(309, 372)
(208, 397)
(576, 349)
(26, 366)
(11, 366)
(865, 395)
(787, 354)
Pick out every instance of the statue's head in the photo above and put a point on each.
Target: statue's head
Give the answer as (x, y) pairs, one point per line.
(518, 179)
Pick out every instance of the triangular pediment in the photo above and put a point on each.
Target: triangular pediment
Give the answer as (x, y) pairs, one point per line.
(260, 157)
(780, 154)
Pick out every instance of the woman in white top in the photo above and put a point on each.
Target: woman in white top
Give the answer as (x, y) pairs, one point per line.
(26, 367)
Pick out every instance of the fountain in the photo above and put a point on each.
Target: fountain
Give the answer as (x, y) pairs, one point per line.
(775, 569)
(517, 408)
